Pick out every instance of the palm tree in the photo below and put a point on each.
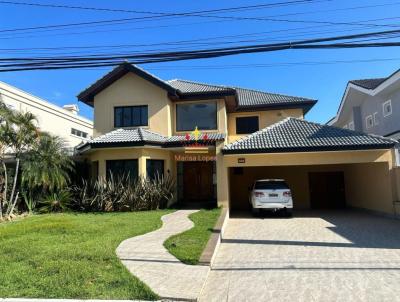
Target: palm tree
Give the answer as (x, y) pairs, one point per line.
(17, 134)
(21, 135)
(47, 165)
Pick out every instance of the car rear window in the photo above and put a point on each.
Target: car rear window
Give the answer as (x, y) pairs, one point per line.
(271, 185)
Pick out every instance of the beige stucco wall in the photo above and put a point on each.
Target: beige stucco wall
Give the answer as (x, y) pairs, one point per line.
(141, 154)
(265, 119)
(308, 158)
(369, 186)
(131, 90)
(50, 118)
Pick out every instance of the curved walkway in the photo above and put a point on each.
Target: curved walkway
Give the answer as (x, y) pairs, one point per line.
(146, 258)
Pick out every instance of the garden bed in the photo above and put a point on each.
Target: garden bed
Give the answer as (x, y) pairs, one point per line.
(189, 245)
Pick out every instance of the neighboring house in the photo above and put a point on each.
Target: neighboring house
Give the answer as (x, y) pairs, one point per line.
(216, 140)
(371, 106)
(63, 122)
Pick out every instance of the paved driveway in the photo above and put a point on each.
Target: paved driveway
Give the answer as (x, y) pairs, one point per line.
(315, 256)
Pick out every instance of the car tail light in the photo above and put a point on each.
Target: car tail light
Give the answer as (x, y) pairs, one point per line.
(287, 194)
(258, 194)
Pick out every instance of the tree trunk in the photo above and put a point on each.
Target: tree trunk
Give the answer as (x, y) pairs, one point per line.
(4, 198)
(13, 205)
(13, 188)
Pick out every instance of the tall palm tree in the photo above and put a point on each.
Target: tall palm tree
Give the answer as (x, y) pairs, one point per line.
(47, 165)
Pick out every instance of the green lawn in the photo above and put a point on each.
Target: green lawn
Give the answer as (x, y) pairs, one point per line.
(71, 256)
(189, 245)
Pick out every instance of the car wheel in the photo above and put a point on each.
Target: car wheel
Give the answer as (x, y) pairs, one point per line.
(255, 212)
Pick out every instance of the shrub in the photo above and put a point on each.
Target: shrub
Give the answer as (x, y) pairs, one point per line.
(56, 202)
(123, 194)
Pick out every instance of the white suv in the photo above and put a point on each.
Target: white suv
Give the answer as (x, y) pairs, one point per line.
(271, 194)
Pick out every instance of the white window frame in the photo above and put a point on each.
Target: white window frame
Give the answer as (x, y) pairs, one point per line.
(369, 117)
(376, 120)
(351, 125)
(383, 108)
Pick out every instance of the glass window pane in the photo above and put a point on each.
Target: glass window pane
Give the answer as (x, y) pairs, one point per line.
(246, 125)
(118, 117)
(135, 116)
(130, 116)
(144, 116)
(119, 168)
(127, 117)
(201, 115)
(154, 168)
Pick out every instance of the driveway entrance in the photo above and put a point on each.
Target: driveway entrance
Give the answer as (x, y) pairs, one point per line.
(315, 256)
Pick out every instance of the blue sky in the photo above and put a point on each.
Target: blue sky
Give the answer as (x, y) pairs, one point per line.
(313, 73)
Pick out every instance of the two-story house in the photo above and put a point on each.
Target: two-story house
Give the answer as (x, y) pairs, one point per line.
(217, 140)
(371, 106)
(63, 122)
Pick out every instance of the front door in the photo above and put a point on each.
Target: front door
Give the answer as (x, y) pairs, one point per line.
(197, 181)
(327, 190)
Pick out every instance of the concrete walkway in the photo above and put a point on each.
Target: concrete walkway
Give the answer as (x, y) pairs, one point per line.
(146, 258)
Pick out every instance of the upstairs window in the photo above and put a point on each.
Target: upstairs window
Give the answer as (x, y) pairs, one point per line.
(246, 125)
(200, 115)
(130, 116)
(387, 108)
(79, 133)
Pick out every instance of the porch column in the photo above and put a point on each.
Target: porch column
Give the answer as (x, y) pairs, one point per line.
(102, 168)
(222, 178)
(142, 166)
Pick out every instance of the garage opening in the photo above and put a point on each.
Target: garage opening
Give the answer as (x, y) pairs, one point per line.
(335, 186)
(327, 190)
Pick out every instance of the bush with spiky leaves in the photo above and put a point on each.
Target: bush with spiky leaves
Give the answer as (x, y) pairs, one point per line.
(123, 194)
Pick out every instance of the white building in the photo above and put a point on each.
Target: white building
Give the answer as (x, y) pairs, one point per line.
(63, 122)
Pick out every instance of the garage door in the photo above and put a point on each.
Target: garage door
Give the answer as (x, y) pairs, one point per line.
(327, 190)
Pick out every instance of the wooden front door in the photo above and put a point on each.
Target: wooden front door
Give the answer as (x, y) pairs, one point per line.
(197, 181)
(327, 190)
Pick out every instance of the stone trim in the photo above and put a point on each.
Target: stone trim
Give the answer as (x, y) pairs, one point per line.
(208, 255)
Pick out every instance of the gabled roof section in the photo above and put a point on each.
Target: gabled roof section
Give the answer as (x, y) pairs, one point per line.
(88, 94)
(366, 86)
(190, 87)
(247, 99)
(297, 135)
(368, 83)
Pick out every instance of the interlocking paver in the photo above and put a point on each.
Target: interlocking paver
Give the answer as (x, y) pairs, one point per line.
(314, 256)
(146, 258)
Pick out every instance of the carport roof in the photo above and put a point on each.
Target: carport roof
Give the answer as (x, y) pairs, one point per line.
(297, 135)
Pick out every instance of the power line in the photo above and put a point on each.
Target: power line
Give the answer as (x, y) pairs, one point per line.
(156, 15)
(201, 14)
(10, 64)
